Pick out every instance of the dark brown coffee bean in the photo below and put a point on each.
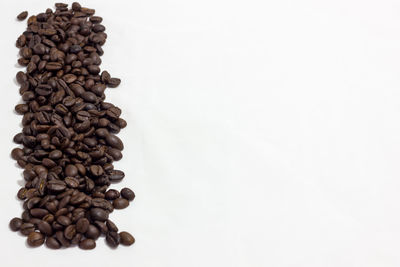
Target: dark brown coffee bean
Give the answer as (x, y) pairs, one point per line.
(61, 238)
(126, 238)
(98, 214)
(45, 228)
(15, 224)
(22, 15)
(35, 239)
(71, 182)
(71, 170)
(56, 185)
(82, 225)
(120, 203)
(114, 141)
(112, 239)
(76, 6)
(70, 232)
(87, 244)
(52, 243)
(92, 232)
(112, 194)
(39, 213)
(96, 170)
(116, 175)
(127, 194)
(113, 82)
(64, 220)
(17, 153)
(111, 226)
(27, 228)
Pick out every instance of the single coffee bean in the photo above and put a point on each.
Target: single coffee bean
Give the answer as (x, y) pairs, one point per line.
(112, 239)
(127, 193)
(15, 224)
(114, 141)
(22, 15)
(96, 170)
(64, 220)
(111, 226)
(45, 228)
(52, 243)
(98, 214)
(126, 238)
(35, 239)
(82, 225)
(27, 228)
(17, 153)
(71, 170)
(92, 232)
(70, 232)
(87, 244)
(112, 194)
(113, 82)
(117, 175)
(120, 203)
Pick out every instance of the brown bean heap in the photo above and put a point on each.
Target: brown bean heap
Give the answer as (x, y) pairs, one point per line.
(68, 136)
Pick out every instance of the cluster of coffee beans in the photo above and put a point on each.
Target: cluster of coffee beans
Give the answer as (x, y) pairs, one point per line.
(68, 136)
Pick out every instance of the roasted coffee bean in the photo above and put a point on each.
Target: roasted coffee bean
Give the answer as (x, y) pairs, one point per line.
(56, 185)
(64, 220)
(112, 239)
(92, 232)
(82, 225)
(128, 194)
(112, 194)
(71, 170)
(114, 141)
(71, 182)
(87, 244)
(45, 228)
(96, 170)
(52, 243)
(17, 153)
(98, 214)
(22, 15)
(111, 226)
(117, 175)
(35, 239)
(15, 224)
(27, 228)
(126, 238)
(120, 203)
(70, 232)
(113, 82)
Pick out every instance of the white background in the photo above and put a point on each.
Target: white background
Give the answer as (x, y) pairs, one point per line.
(260, 133)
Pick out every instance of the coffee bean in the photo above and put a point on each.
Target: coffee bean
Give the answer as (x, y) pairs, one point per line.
(126, 238)
(112, 194)
(45, 228)
(111, 226)
(82, 225)
(120, 203)
(113, 82)
(35, 239)
(71, 182)
(17, 153)
(112, 239)
(70, 232)
(114, 141)
(15, 224)
(96, 170)
(98, 214)
(64, 220)
(56, 185)
(87, 244)
(92, 232)
(117, 175)
(22, 15)
(52, 243)
(27, 228)
(71, 170)
(128, 194)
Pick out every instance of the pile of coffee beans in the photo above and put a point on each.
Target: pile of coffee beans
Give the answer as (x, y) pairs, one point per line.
(68, 140)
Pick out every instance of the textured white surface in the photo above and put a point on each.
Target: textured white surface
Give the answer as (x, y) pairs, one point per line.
(260, 133)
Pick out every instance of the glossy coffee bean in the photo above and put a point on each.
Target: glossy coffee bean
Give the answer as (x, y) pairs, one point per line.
(120, 203)
(112, 239)
(35, 239)
(15, 224)
(127, 194)
(87, 244)
(126, 238)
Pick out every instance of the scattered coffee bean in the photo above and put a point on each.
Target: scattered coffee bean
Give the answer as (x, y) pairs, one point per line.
(126, 238)
(112, 239)
(22, 15)
(120, 203)
(128, 194)
(15, 224)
